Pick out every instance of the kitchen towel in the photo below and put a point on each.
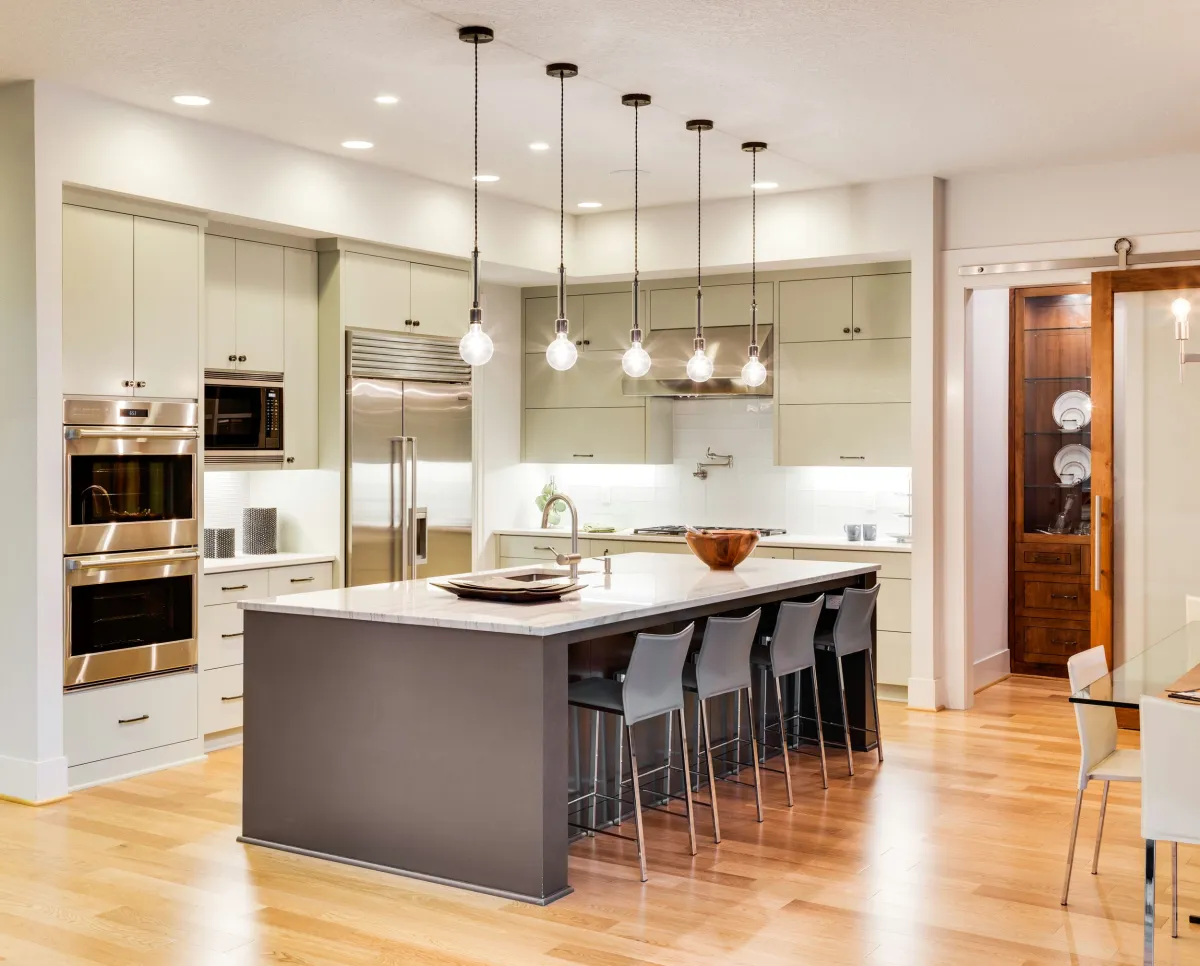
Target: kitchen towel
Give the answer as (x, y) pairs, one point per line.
(259, 525)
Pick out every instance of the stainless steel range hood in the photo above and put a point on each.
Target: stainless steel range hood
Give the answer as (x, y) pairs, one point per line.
(670, 350)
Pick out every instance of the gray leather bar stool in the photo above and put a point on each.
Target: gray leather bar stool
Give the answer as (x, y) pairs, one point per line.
(851, 634)
(723, 667)
(790, 650)
(652, 688)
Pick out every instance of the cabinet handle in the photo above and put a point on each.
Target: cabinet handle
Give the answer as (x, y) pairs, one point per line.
(584, 456)
(579, 341)
(140, 717)
(303, 580)
(857, 329)
(291, 459)
(226, 637)
(1066, 643)
(241, 359)
(238, 587)
(416, 322)
(587, 341)
(140, 384)
(233, 358)
(1097, 556)
(846, 330)
(1064, 597)
(408, 321)
(852, 457)
(127, 383)
(233, 697)
(1047, 558)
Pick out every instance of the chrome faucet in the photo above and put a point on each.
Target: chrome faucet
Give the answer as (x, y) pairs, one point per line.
(572, 558)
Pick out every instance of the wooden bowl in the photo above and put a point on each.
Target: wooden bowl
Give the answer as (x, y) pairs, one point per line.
(722, 549)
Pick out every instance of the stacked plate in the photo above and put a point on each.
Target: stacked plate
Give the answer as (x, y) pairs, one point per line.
(509, 589)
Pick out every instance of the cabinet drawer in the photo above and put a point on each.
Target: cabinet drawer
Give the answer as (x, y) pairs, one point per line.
(893, 653)
(601, 547)
(220, 635)
(894, 564)
(1047, 644)
(124, 718)
(1071, 597)
(1055, 559)
(234, 586)
(776, 553)
(221, 699)
(299, 580)
(536, 548)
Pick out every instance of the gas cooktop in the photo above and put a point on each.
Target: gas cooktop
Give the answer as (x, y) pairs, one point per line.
(679, 531)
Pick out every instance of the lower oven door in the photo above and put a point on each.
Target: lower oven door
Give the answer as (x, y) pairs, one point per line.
(130, 614)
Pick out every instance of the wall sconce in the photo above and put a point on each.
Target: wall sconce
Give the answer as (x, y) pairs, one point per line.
(1181, 308)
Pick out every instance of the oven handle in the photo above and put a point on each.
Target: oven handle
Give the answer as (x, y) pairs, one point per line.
(107, 560)
(132, 432)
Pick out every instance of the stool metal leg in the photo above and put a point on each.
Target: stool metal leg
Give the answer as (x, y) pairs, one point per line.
(1174, 890)
(845, 717)
(875, 702)
(820, 730)
(1100, 830)
(754, 753)
(1071, 847)
(762, 712)
(595, 769)
(670, 723)
(687, 782)
(712, 778)
(1148, 912)
(637, 802)
(620, 768)
(783, 737)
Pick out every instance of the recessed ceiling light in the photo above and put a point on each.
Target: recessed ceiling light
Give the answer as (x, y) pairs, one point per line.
(539, 146)
(387, 99)
(487, 177)
(358, 145)
(764, 185)
(590, 204)
(191, 100)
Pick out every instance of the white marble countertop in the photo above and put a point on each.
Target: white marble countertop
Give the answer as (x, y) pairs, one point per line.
(251, 561)
(641, 585)
(798, 541)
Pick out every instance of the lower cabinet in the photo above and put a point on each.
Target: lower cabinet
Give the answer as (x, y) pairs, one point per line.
(120, 719)
(221, 698)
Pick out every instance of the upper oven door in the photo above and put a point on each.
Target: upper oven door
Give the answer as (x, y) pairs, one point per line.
(129, 489)
(243, 419)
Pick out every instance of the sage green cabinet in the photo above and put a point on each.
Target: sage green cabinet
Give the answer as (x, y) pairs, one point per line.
(883, 306)
(864, 434)
(627, 434)
(599, 323)
(861, 371)
(816, 310)
(593, 382)
(439, 300)
(379, 292)
(724, 304)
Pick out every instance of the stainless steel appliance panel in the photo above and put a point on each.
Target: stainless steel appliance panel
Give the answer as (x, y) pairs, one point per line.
(374, 458)
(243, 419)
(129, 614)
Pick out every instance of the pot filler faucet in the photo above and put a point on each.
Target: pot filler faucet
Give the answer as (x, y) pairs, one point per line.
(572, 558)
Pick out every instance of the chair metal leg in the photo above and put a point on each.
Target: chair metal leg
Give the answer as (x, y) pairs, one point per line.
(1071, 847)
(687, 782)
(754, 752)
(1174, 890)
(875, 702)
(697, 744)
(712, 778)
(737, 728)
(637, 802)
(620, 769)
(1100, 830)
(845, 717)
(1148, 914)
(762, 713)
(820, 729)
(595, 769)
(670, 724)
(787, 768)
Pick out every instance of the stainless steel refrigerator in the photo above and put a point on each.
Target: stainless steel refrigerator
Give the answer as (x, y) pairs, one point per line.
(408, 458)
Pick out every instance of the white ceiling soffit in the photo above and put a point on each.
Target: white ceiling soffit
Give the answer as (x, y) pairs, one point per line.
(843, 90)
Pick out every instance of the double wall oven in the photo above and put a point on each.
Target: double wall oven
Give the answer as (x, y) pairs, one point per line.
(131, 559)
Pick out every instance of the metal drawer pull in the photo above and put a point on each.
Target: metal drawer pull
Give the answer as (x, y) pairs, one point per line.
(551, 549)
(1066, 643)
(233, 697)
(303, 580)
(584, 456)
(1064, 597)
(141, 717)
(1048, 558)
(225, 637)
(238, 587)
(852, 457)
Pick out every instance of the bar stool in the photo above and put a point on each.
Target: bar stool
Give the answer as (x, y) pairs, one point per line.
(723, 667)
(652, 688)
(851, 634)
(790, 650)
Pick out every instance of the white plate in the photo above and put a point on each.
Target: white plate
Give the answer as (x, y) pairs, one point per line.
(1072, 410)
(1073, 463)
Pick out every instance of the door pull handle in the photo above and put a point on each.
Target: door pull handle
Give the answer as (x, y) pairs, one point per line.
(141, 717)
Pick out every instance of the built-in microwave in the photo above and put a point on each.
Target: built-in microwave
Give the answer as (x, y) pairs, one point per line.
(243, 418)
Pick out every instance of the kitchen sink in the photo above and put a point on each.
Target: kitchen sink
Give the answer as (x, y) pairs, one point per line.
(532, 575)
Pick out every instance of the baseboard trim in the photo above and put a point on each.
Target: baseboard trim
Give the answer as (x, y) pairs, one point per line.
(988, 670)
(117, 769)
(893, 692)
(33, 782)
(218, 740)
(923, 694)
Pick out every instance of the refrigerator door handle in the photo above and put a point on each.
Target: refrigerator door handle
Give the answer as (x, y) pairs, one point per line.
(411, 545)
(421, 534)
(398, 509)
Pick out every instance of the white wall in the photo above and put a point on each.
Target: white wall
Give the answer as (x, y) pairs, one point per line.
(308, 503)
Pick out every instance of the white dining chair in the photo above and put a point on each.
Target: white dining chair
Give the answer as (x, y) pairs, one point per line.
(1099, 757)
(1170, 791)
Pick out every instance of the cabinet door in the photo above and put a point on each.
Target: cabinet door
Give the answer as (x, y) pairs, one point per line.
(220, 303)
(259, 307)
(97, 311)
(816, 310)
(300, 359)
(607, 320)
(675, 308)
(593, 382)
(440, 300)
(375, 292)
(871, 434)
(883, 306)
(870, 371)
(166, 308)
(585, 435)
(540, 314)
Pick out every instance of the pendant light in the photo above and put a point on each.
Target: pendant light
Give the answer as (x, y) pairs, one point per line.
(700, 366)
(476, 346)
(561, 353)
(636, 361)
(754, 373)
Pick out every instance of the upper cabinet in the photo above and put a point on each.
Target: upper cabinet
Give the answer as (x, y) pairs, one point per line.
(883, 306)
(244, 288)
(599, 323)
(845, 309)
(131, 305)
(299, 359)
(401, 296)
(723, 304)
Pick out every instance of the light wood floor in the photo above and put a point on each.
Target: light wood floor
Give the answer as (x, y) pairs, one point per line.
(950, 853)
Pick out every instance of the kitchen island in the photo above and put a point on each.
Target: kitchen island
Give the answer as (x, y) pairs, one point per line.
(397, 727)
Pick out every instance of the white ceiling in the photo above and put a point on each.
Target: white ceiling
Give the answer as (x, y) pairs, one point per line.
(844, 90)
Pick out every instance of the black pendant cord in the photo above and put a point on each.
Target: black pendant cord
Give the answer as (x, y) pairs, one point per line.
(753, 249)
(562, 141)
(475, 180)
(699, 173)
(636, 109)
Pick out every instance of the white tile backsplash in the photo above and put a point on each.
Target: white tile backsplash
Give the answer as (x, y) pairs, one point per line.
(815, 500)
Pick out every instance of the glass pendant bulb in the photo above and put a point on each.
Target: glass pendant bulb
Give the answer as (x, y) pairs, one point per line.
(700, 366)
(561, 353)
(754, 373)
(476, 346)
(636, 361)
